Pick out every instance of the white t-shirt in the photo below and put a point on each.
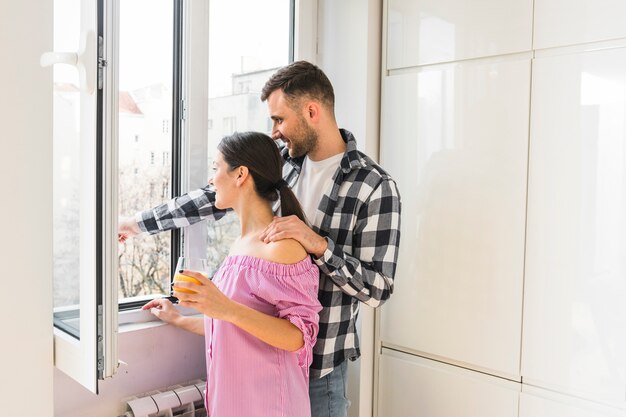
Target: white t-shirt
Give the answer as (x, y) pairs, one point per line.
(314, 181)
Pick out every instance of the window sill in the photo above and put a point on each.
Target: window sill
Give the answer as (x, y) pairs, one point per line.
(136, 320)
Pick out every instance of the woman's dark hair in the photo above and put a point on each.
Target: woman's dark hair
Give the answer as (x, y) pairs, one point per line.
(298, 80)
(260, 155)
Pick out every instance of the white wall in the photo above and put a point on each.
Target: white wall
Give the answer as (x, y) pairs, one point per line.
(26, 210)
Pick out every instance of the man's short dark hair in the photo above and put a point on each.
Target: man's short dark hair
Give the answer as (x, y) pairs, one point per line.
(301, 79)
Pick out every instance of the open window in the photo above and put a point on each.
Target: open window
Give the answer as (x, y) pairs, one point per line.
(143, 92)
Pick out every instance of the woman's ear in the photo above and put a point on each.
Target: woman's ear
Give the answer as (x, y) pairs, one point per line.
(242, 175)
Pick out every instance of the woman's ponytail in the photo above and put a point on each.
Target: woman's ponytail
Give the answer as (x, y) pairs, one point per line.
(289, 204)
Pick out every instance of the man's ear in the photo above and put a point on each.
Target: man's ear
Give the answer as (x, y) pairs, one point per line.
(313, 111)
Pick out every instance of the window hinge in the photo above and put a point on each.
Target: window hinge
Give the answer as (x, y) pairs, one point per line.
(100, 346)
(102, 63)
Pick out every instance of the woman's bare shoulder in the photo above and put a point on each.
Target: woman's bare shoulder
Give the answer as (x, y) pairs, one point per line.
(286, 251)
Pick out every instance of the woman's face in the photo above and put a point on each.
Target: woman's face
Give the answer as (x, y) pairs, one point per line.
(224, 182)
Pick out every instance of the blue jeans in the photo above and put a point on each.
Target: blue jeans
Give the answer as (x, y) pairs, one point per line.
(328, 394)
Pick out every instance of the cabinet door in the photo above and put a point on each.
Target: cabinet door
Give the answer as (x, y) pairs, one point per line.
(455, 137)
(574, 310)
(433, 31)
(413, 386)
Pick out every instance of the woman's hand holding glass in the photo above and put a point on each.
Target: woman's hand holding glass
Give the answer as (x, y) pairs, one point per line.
(203, 296)
(185, 263)
(194, 289)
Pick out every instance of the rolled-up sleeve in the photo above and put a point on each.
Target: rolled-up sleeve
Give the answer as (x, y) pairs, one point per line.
(294, 294)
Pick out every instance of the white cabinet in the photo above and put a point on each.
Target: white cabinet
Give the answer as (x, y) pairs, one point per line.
(567, 22)
(506, 199)
(455, 137)
(413, 386)
(575, 286)
(430, 31)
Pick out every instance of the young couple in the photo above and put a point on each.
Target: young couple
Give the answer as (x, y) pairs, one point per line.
(278, 330)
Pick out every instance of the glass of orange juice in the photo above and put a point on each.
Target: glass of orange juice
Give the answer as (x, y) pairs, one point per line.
(190, 264)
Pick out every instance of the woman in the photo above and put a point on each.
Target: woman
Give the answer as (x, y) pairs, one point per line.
(261, 306)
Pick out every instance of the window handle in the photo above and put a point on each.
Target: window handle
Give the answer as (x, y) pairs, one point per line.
(50, 58)
(85, 61)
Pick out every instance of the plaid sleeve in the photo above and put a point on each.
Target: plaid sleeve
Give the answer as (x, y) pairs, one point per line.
(368, 273)
(180, 212)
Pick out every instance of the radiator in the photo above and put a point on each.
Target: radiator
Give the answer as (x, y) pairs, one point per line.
(176, 401)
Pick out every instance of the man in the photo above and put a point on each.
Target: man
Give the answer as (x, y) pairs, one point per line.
(352, 206)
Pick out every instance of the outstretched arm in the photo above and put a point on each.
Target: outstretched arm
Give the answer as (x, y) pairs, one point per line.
(181, 211)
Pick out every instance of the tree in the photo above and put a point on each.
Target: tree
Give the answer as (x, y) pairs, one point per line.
(144, 261)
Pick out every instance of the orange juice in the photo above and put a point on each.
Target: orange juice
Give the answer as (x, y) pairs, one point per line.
(180, 277)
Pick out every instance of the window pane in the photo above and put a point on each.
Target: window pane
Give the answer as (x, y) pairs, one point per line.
(245, 49)
(66, 168)
(145, 135)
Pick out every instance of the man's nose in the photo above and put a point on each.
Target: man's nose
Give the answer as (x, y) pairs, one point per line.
(276, 134)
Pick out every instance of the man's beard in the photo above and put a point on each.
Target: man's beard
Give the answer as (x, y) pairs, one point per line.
(306, 140)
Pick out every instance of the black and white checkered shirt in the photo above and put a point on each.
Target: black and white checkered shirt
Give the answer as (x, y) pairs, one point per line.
(361, 222)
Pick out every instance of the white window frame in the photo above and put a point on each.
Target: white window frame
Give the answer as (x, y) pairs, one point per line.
(305, 31)
(194, 171)
(93, 355)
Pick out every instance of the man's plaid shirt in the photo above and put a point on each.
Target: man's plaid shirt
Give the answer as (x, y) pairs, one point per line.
(360, 219)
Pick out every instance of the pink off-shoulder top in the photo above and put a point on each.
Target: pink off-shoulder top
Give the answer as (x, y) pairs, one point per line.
(248, 377)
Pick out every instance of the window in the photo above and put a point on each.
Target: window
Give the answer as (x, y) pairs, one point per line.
(238, 69)
(85, 303)
(241, 67)
(135, 90)
(146, 62)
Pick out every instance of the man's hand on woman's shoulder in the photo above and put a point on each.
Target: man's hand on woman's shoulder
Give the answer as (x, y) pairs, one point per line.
(291, 227)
